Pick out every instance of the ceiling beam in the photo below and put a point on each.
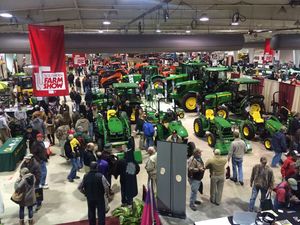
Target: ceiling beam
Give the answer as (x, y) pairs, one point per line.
(78, 12)
(153, 9)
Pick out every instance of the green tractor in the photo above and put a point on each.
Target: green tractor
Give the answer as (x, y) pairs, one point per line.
(114, 128)
(265, 129)
(218, 131)
(152, 76)
(185, 93)
(166, 122)
(130, 92)
(241, 98)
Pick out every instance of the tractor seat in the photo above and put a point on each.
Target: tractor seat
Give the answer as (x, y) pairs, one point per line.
(111, 113)
(210, 114)
(256, 116)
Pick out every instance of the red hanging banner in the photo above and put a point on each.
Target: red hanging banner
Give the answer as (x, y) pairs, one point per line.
(78, 59)
(268, 52)
(48, 60)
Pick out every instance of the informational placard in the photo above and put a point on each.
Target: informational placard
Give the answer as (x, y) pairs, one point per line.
(48, 60)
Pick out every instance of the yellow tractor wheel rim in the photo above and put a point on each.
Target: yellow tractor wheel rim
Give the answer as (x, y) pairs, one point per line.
(267, 144)
(246, 131)
(209, 140)
(196, 127)
(190, 103)
(222, 113)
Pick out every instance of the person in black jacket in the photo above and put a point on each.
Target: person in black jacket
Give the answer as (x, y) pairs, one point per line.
(72, 94)
(72, 153)
(94, 186)
(77, 99)
(40, 154)
(89, 156)
(88, 97)
(128, 168)
(71, 78)
(30, 135)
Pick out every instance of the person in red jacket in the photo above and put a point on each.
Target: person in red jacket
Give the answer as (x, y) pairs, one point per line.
(288, 168)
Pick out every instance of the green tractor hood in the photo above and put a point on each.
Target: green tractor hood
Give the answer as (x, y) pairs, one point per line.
(181, 131)
(224, 145)
(272, 125)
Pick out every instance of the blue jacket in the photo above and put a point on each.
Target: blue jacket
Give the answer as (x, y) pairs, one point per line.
(278, 142)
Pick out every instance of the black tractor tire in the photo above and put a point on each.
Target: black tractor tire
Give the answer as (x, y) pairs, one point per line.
(198, 128)
(184, 103)
(267, 144)
(190, 148)
(211, 140)
(248, 131)
(222, 111)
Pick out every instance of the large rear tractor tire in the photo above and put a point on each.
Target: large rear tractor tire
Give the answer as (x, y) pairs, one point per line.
(198, 128)
(189, 102)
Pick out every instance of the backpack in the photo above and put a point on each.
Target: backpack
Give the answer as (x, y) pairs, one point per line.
(148, 129)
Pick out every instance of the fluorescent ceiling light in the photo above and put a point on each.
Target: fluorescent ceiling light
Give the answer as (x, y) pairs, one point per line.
(270, 31)
(6, 15)
(204, 18)
(106, 22)
(158, 30)
(187, 31)
(235, 23)
(100, 31)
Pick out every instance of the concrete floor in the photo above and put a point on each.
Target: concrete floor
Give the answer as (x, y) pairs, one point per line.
(64, 203)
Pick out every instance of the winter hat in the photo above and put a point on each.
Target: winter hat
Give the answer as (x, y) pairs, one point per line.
(293, 184)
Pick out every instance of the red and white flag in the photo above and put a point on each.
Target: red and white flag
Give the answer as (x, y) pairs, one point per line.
(48, 60)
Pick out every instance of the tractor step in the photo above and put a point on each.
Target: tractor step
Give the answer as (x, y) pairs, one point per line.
(114, 144)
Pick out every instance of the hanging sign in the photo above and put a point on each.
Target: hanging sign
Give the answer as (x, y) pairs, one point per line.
(78, 59)
(48, 60)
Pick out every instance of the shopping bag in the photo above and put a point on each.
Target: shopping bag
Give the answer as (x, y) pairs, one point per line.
(17, 197)
(267, 203)
(227, 172)
(39, 195)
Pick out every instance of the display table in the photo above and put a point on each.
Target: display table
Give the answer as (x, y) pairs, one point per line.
(11, 152)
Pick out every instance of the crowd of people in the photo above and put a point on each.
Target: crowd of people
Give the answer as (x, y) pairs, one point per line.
(72, 129)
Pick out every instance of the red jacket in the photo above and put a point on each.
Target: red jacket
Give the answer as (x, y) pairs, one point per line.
(288, 168)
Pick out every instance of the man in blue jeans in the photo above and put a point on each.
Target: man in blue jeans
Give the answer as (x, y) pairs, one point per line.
(236, 153)
(279, 146)
(39, 152)
(262, 179)
(72, 154)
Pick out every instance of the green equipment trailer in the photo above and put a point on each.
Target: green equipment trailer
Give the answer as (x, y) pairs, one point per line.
(217, 130)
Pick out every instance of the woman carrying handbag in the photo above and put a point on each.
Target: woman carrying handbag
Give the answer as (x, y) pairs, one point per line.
(24, 186)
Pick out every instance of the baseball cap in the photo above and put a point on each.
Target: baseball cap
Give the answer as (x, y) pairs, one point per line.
(107, 147)
(29, 156)
(293, 184)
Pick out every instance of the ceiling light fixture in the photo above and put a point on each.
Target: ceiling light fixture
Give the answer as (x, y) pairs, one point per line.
(158, 30)
(100, 31)
(6, 15)
(187, 31)
(106, 22)
(270, 31)
(204, 18)
(235, 19)
(234, 23)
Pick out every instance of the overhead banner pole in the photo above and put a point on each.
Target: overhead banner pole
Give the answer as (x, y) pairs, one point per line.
(48, 60)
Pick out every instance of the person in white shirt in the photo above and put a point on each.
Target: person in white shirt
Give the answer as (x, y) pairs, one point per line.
(21, 115)
(4, 128)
